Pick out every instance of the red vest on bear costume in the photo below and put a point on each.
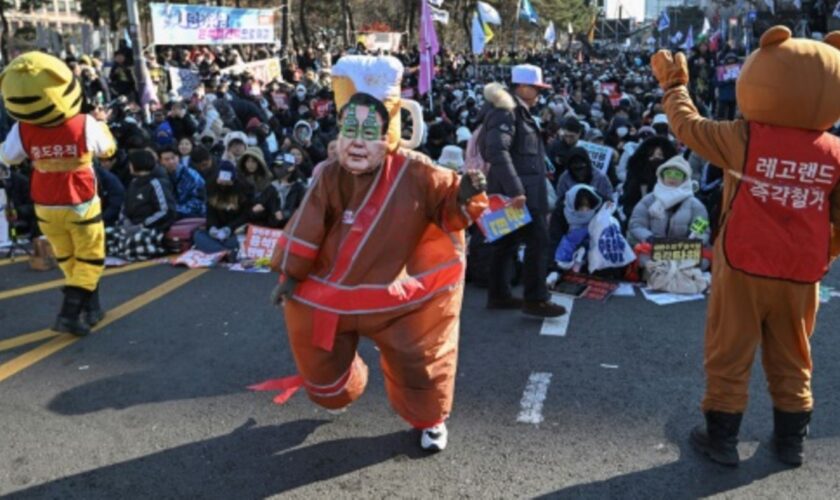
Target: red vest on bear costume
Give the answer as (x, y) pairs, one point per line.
(62, 171)
(778, 226)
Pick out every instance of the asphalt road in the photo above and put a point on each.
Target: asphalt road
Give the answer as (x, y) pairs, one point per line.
(154, 404)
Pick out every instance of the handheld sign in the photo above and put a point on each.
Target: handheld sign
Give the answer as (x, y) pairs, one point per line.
(501, 219)
(601, 156)
(260, 242)
(678, 250)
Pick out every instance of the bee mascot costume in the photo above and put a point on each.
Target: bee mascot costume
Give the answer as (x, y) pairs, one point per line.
(781, 205)
(41, 93)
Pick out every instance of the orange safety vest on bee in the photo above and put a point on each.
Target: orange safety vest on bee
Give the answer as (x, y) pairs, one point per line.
(779, 224)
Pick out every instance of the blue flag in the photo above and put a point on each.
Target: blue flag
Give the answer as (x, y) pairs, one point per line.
(664, 21)
(527, 12)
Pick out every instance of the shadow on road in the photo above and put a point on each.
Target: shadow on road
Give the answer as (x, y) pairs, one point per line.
(691, 476)
(133, 389)
(250, 462)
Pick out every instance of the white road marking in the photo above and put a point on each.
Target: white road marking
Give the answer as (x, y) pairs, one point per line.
(556, 327)
(533, 397)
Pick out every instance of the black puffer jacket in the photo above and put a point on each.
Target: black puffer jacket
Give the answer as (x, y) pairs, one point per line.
(512, 144)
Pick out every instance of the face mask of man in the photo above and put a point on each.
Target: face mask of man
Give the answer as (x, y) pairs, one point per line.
(361, 142)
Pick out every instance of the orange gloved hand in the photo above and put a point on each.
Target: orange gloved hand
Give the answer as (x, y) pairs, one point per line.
(670, 70)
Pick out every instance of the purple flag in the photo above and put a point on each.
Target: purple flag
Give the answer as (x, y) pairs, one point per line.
(428, 47)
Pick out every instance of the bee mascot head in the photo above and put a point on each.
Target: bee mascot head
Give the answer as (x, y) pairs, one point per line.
(40, 89)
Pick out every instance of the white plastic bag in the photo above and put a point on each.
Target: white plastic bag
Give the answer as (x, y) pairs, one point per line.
(607, 246)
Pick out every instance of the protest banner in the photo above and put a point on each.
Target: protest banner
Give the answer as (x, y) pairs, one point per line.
(264, 70)
(500, 218)
(195, 259)
(260, 242)
(181, 24)
(728, 72)
(601, 156)
(184, 81)
(678, 250)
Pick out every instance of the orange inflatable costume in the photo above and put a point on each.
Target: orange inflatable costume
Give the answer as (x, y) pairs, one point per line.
(377, 250)
(781, 203)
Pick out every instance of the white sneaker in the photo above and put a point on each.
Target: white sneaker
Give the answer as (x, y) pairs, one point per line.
(338, 411)
(434, 438)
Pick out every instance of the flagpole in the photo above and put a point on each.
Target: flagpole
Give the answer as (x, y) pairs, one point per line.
(516, 25)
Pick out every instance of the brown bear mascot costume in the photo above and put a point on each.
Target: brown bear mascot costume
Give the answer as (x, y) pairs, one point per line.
(781, 203)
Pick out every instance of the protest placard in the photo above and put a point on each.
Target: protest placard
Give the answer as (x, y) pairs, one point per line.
(264, 70)
(672, 249)
(728, 72)
(500, 218)
(184, 81)
(182, 24)
(601, 156)
(260, 242)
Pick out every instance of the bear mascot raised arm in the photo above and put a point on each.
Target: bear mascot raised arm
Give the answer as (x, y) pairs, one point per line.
(42, 95)
(781, 203)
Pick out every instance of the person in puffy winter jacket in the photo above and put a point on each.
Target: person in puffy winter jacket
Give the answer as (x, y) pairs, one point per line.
(671, 210)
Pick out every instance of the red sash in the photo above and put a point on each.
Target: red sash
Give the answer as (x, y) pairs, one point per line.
(778, 226)
(325, 322)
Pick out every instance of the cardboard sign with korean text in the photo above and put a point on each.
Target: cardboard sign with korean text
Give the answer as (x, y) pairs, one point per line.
(260, 242)
(728, 72)
(601, 156)
(501, 219)
(677, 250)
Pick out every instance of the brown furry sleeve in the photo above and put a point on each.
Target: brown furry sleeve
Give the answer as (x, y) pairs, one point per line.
(724, 143)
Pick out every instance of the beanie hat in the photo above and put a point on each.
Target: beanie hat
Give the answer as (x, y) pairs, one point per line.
(235, 136)
(452, 157)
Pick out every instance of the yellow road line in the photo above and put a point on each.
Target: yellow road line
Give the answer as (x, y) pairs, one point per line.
(16, 260)
(40, 287)
(28, 338)
(61, 341)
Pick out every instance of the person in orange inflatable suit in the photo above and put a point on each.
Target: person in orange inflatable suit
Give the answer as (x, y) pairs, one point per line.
(781, 204)
(377, 250)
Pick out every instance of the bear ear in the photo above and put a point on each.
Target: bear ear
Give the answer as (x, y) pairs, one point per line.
(833, 39)
(775, 36)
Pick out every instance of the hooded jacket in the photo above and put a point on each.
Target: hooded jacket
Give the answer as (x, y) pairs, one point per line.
(578, 233)
(597, 180)
(642, 173)
(651, 221)
(261, 179)
(514, 148)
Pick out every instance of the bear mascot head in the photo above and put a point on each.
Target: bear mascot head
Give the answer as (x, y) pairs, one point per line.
(791, 82)
(40, 89)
